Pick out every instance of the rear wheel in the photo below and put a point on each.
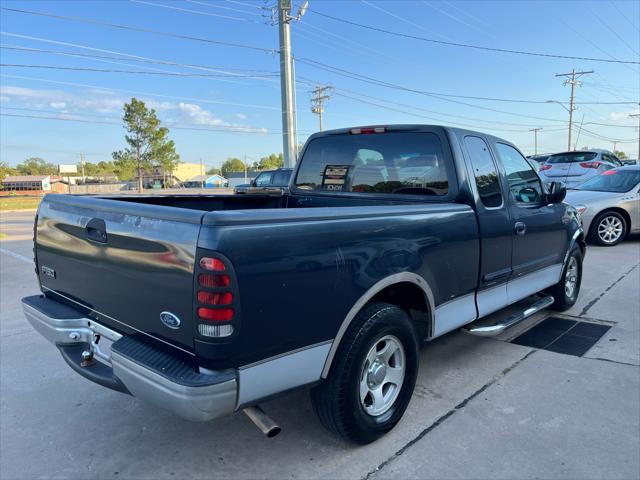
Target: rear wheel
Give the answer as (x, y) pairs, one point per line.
(608, 229)
(372, 377)
(565, 292)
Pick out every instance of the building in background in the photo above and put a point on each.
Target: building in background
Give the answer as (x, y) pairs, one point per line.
(32, 185)
(158, 178)
(206, 181)
(239, 178)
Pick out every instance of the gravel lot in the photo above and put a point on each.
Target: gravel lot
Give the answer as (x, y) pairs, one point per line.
(483, 408)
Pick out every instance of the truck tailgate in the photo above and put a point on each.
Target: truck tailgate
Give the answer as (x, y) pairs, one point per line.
(125, 263)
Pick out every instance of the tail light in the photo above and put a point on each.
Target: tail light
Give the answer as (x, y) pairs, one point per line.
(216, 297)
(545, 167)
(590, 164)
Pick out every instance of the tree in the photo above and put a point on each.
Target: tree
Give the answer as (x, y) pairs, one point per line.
(6, 170)
(146, 139)
(621, 155)
(214, 171)
(36, 166)
(167, 157)
(232, 164)
(271, 162)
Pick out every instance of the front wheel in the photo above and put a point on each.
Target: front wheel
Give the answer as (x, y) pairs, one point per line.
(565, 292)
(372, 377)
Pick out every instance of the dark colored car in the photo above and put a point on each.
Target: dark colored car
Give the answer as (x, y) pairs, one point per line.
(269, 181)
(387, 236)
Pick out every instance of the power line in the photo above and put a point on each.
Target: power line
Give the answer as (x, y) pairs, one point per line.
(136, 72)
(466, 45)
(626, 18)
(232, 128)
(138, 92)
(573, 81)
(130, 59)
(213, 5)
(139, 29)
(199, 12)
(173, 126)
(368, 79)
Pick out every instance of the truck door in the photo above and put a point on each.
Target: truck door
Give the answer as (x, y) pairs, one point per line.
(495, 226)
(539, 233)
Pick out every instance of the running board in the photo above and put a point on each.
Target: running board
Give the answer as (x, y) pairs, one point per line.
(502, 325)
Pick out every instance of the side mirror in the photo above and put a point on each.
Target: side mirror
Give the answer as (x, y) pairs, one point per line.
(557, 192)
(253, 183)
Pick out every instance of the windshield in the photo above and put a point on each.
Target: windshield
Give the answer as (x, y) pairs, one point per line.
(619, 181)
(572, 157)
(390, 162)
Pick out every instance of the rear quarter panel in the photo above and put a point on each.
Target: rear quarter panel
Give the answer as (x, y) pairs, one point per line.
(301, 270)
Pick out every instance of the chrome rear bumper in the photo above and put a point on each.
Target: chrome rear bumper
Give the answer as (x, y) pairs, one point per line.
(132, 366)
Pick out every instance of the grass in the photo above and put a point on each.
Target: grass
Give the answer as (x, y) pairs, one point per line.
(19, 203)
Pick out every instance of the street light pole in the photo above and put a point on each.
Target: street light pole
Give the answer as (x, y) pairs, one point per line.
(637, 115)
(286, 84)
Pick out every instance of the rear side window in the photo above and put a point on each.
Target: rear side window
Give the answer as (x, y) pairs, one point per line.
(572, 157)
(263, 180)
(409, 163)
(281, 178)
(484, 170)
(524, 183)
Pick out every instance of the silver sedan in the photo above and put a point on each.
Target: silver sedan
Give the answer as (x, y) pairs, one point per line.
(609, 205)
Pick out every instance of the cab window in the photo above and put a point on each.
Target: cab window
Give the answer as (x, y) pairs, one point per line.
(263, 180)
(524, 184)
(484, 170)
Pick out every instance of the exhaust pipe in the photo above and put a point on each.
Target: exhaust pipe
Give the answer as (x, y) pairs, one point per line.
(263, 421)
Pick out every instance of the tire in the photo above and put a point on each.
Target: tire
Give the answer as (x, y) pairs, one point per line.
(608, 229)
(337, 401)
(564, 296)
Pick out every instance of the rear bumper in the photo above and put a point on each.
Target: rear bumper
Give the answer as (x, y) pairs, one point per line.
(132, 365)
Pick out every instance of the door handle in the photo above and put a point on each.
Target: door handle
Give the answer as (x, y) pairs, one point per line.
(520, 228)
(96, 230)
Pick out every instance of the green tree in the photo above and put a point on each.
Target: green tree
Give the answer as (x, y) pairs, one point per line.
(621, 155)
(232, 164)
(5, 170)
(271, 162)
(167, 157)
(147, 142)
(36, 166)
(214, 171)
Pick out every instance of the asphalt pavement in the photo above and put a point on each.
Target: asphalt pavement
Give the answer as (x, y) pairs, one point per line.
(482, 408)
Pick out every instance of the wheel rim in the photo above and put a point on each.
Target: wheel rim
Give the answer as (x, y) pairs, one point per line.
(571, 278)
(610, 229)
(382, 375)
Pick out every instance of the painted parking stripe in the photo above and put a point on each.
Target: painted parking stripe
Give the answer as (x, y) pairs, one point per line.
(17, 255)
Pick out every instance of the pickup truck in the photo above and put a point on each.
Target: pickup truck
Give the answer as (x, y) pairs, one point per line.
(386, 237)
(269, 181)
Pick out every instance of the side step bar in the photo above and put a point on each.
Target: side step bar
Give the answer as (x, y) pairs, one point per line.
(502, 325)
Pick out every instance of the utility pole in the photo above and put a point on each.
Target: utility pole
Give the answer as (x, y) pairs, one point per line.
(287, 81)
(82, 167)
(573, 81)
(319, 95)
(535, 137)
(615, 144)
(201, 174)
(637, 115)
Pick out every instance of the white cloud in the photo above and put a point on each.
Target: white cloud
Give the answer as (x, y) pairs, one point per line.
(619, 116)
(199, 115)
(109, 102)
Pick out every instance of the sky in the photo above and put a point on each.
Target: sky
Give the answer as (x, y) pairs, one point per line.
(223, 100)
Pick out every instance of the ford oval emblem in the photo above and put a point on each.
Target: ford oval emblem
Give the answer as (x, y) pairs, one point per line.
(170, 320)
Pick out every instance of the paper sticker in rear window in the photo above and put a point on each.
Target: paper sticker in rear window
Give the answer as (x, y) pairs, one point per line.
(335, 176)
